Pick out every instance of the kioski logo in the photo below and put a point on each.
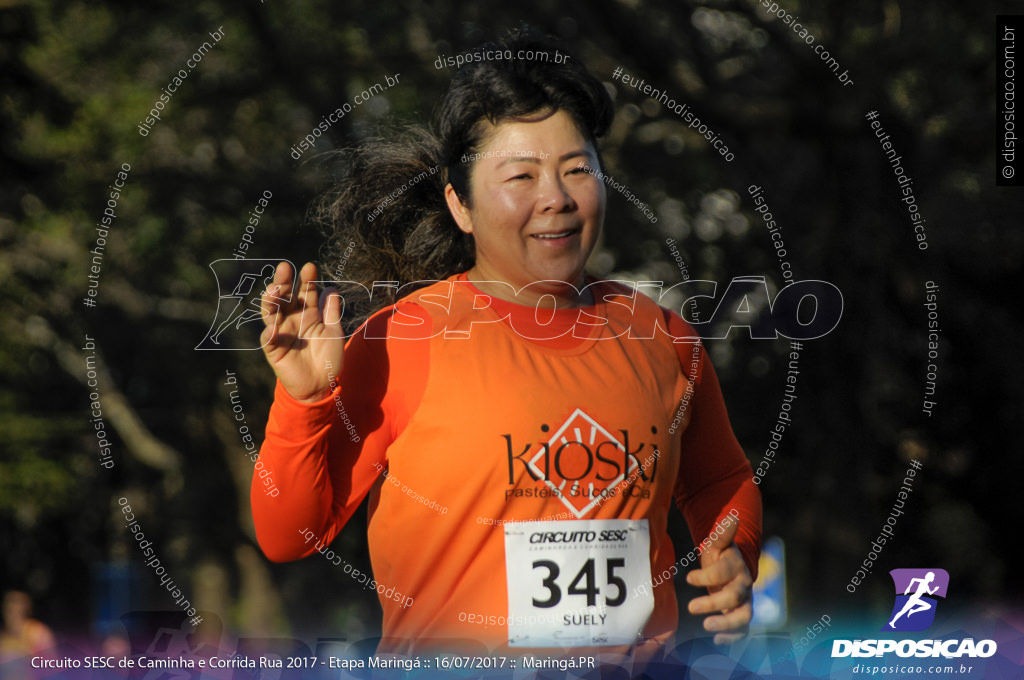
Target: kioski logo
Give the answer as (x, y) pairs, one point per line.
(583, 464)
(916, 590)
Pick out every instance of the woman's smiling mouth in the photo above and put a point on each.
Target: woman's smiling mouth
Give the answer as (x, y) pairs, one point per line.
(557, 235)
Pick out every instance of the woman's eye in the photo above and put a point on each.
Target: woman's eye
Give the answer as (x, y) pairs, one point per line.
(525, 175)
(579, 169)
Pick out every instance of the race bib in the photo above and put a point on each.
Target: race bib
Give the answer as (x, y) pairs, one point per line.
(578, 583)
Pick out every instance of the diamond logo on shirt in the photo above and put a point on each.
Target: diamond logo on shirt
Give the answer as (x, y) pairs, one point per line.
(583, 463)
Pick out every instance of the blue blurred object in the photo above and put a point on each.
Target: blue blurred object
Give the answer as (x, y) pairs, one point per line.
(114, 587)
(770, 587)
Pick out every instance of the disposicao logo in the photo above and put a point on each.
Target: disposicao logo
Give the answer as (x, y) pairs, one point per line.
(914, 610)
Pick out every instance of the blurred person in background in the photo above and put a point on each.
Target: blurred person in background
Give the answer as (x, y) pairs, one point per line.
(22, 636)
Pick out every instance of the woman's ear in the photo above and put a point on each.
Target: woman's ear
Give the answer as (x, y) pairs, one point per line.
(460, 213)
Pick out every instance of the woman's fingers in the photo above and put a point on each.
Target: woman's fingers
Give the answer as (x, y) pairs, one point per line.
(283, 274)
(310, 318)
(278, 304)
(716, 574)
(731, 596)
(733, 602)
(273, 305)
(728, 581)
(307, 293)
(332, 309)
(303, 331)
(275, 299)
(731, 625)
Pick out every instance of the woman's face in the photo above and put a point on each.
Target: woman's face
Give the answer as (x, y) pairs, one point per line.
(535, 215)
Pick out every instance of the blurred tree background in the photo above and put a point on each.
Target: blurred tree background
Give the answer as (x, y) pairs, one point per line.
(77, 78)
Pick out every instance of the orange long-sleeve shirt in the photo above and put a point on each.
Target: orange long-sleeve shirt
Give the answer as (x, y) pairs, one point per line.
(452, 394)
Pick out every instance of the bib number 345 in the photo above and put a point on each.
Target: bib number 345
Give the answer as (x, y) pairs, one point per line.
(584, 583)
(576, 583)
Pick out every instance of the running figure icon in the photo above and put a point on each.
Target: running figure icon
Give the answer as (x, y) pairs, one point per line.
(915, 604)
(241, 284)
(248, 306)
(917, 591)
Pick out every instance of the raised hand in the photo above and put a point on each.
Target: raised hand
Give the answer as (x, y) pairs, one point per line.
(303, 344)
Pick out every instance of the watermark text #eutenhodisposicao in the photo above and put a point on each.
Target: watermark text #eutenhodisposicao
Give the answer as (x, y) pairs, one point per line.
(886, 533)
(681, 110)
(102, 230)
(153, 562)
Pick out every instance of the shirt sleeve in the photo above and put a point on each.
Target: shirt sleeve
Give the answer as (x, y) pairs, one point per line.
(325, 456)
(716, 476)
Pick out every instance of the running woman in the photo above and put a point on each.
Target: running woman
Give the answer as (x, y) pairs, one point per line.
(535, 424)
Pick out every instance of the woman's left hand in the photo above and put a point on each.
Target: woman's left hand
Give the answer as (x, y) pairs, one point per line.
(723, 572)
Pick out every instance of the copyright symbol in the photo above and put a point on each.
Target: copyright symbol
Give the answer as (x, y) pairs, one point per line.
(1007, 171)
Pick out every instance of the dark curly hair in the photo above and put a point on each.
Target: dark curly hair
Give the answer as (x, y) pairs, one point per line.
(389, 212)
